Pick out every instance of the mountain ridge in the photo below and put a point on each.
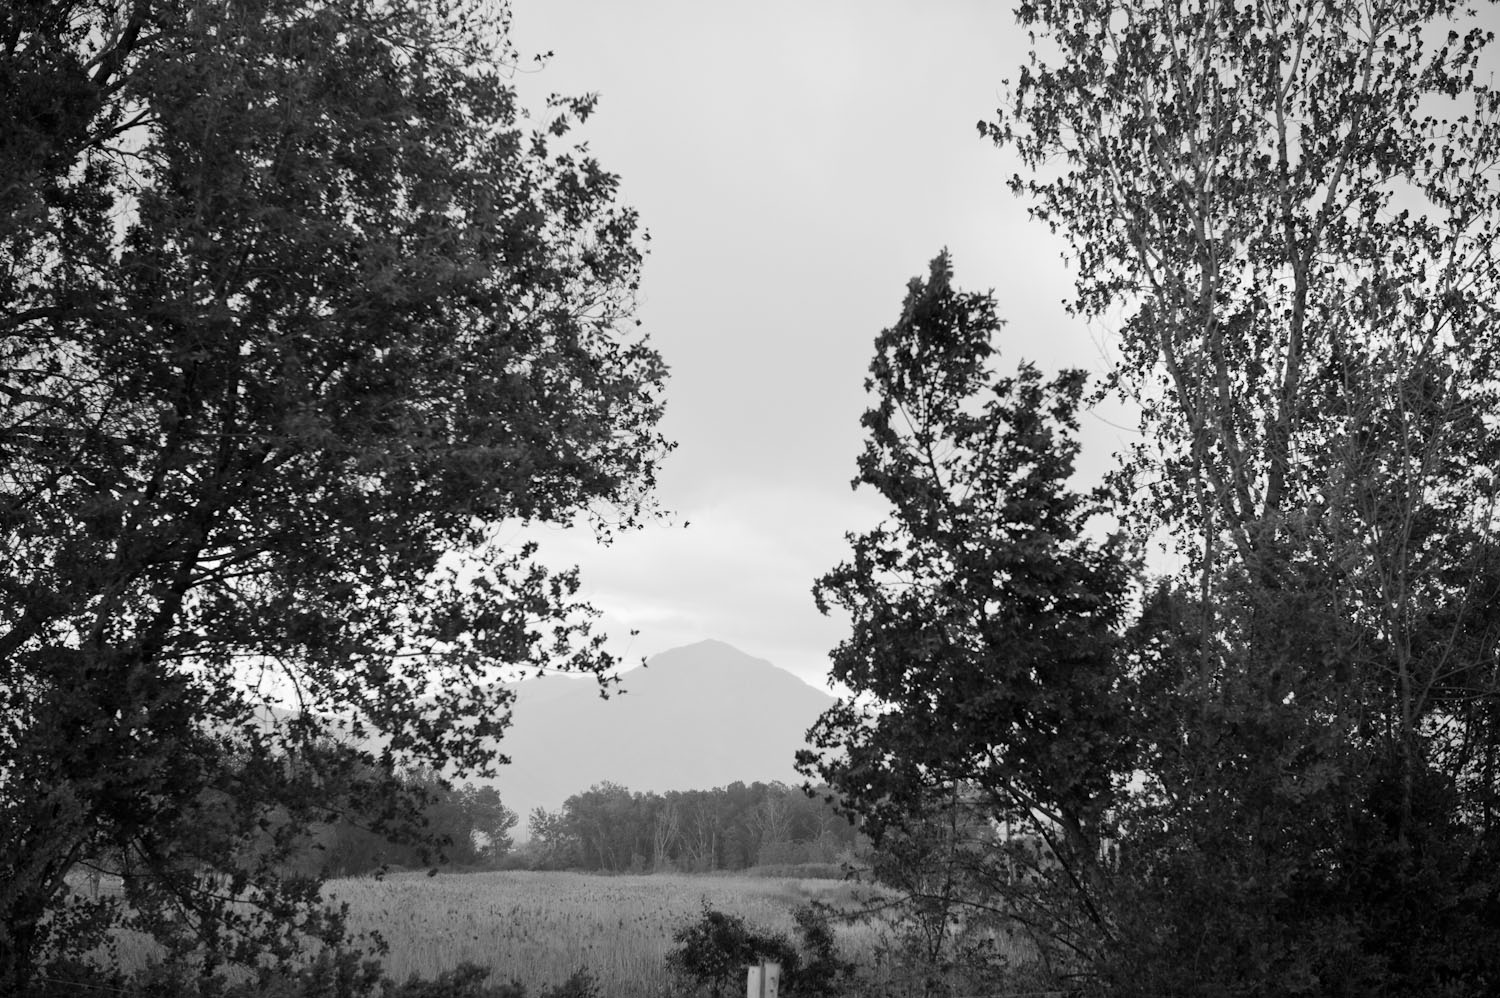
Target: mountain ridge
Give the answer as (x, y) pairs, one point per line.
(699, 716)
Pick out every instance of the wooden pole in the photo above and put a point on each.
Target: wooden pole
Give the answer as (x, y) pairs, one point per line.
(763, 981)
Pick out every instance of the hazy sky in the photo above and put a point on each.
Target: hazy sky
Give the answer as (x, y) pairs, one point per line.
(796, 162)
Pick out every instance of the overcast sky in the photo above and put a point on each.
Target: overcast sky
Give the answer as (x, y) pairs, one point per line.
(796, 162)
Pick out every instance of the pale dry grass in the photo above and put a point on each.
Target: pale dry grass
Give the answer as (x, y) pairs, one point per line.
(538, 928)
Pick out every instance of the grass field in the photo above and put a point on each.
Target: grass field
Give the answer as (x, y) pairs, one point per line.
(538, 928)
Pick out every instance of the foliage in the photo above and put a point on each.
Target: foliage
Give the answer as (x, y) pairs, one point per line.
(1291, 206)
(984, 618)
(332, 974)
(580, 984)
(469, 981)
(467, 827)
(552, 844)
(820, 971)
(737, 827)
(949, 927)
(464, 981)
(489, 822)
(1288, 210)
(297, 312)
(343, 975)
(714, 952)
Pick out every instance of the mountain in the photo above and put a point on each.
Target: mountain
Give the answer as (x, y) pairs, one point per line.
(695, 717)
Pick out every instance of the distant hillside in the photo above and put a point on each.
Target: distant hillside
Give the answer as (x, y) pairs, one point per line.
(695, 717)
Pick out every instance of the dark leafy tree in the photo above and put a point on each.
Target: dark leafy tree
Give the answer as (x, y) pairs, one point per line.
(612, 827)
(552, 844)
(466, 827)
(487, 815)
(1289, 210)
(1292, 208)
(299, 317)
(820, 971)
(985, 616)
(712, 953)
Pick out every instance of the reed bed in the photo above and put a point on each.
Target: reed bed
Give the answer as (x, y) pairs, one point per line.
(538, 928)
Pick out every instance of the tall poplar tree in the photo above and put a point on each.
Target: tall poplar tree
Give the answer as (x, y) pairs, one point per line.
(1291, 209)
(1288, 213)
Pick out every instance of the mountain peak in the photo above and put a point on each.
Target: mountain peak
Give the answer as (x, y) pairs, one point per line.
(712, 668)
(700, 716)
(708, 652)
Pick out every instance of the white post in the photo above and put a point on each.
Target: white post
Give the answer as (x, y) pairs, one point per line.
(763, 981)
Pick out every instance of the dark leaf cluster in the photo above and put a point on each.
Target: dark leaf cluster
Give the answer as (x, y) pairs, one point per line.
(300, 317)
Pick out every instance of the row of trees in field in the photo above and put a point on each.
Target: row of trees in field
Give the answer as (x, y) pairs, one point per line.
(728, 828)
(606, 828)
(467, 827)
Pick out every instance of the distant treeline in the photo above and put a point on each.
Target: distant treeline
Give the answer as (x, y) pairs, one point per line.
(470, 824)
(610, 828)
(606, 828)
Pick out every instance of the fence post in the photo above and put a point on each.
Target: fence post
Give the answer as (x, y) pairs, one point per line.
(763, 981)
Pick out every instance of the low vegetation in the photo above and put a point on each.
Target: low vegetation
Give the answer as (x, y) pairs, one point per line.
(560, 934)
(541, 927)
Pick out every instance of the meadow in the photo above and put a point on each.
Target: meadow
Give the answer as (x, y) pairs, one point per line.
(538, 928)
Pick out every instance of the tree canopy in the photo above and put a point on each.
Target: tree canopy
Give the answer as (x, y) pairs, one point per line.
(1287, 211)
(986, 616)
(610, 828)
(299, 317)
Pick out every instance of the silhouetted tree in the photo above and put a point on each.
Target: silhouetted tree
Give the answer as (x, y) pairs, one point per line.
(986, 617)
(1287, 211)
(297, 312)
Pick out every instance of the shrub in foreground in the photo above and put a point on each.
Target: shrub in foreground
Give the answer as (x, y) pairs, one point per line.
(713, 953)
(342, 975)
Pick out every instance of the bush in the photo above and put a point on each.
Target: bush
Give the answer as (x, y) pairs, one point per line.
(340, 975)
(69, 978)
(467, 980)
(820, 972)
(581, 985)
(713, 952)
